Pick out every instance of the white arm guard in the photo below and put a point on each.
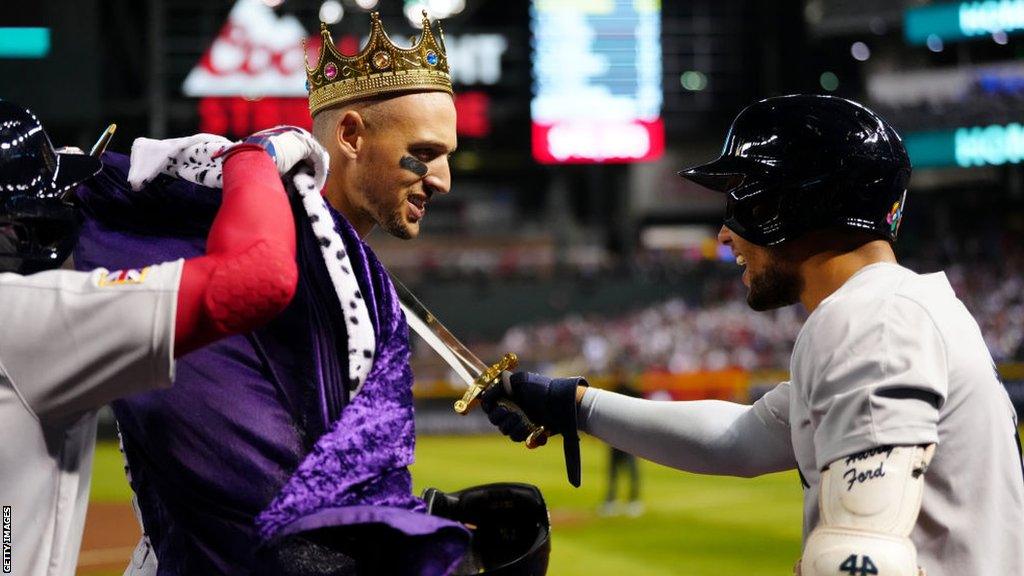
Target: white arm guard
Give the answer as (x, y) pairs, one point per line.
(869, 504)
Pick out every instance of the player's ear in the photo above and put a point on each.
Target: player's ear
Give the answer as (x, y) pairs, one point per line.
(349, 132)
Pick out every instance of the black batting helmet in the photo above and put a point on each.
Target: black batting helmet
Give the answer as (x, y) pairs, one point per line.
(510, 526)
(38, 225)
(792, 164)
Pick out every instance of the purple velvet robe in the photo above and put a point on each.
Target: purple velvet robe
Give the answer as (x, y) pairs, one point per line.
(258, 438)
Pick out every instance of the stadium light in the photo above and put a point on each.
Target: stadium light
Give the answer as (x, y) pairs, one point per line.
(414, 13)
(435, 9)
(860, 51)
(693, 81)
(367, 4)
(829, 81)
(446, 8)
(331, 12)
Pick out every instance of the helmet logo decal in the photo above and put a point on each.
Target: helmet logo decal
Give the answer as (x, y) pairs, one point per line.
(895, 215)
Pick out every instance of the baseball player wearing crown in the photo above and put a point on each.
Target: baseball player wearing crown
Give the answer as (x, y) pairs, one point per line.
(905, 440)
(73, 341)
(301, 465)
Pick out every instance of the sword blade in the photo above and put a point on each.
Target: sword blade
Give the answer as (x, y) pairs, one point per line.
(477, 375)
(437, 336)
(435, 343)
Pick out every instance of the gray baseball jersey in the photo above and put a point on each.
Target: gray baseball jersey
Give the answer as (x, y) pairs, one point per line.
(864, 367)
(70, 342)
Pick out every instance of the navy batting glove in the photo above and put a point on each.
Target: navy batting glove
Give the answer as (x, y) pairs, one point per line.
(509, 419)
(546, 402)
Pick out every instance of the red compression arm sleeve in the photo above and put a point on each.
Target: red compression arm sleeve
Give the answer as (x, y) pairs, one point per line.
(248, 274)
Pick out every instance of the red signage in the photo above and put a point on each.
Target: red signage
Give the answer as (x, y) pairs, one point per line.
(253, 77)
(237, 116)
(597, 142)
(256, 54)
(472, 110)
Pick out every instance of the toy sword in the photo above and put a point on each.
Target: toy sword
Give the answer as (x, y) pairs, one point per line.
(478, 376)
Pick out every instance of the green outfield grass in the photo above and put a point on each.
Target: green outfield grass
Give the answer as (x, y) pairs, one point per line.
(692, 525)
(108, 481)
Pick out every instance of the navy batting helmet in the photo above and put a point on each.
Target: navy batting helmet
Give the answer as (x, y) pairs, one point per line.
(510, 526)
(792, 164)
(38, 225)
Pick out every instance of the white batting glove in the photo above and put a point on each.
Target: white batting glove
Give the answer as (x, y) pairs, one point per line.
(290, 145)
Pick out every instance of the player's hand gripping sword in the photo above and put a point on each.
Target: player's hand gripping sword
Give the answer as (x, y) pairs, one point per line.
(477, 375)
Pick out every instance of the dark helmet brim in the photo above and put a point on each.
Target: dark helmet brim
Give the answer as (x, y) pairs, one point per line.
(73, 169)
(725, 174)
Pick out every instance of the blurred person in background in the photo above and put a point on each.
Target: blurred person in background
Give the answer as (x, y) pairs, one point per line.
(620, 461)
(903, 436)
(73, 341)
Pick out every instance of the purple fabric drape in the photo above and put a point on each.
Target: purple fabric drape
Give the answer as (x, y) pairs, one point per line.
(257, 438)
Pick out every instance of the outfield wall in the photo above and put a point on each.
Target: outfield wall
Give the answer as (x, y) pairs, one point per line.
(435, 415)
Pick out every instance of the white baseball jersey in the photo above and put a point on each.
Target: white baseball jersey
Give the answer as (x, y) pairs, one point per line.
(863, 368)
(70, 342)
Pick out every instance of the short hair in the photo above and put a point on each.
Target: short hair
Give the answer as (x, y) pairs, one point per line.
(326, 121)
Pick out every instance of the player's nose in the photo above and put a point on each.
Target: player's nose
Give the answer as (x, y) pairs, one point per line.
(725, 236)
(440, 177)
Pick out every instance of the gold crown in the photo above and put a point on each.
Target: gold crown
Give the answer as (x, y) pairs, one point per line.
(378, 69)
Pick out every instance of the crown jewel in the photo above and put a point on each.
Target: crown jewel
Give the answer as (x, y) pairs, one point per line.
(378, 69)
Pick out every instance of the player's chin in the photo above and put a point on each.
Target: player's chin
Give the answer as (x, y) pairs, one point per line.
(412, 230)
(771, 291)
(403, 226)
(412, 220)
(761, 303)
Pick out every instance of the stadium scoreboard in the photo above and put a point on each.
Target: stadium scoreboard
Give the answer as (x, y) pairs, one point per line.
(597, 72)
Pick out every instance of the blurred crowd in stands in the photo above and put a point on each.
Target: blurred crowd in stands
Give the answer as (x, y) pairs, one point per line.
(716, 329)
(719, 331)
(995, 295)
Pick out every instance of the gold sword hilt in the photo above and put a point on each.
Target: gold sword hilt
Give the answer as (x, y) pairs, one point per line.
(484, 381)
(492, 377)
